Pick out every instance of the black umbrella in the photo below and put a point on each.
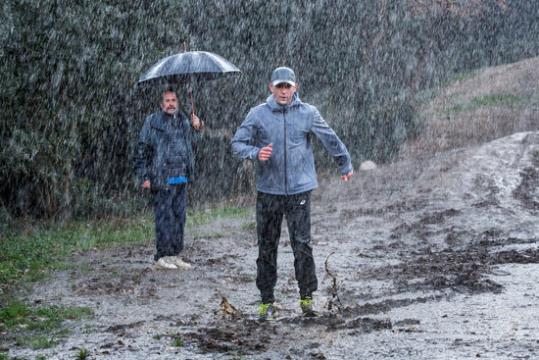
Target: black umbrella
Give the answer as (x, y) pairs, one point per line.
(182, 67)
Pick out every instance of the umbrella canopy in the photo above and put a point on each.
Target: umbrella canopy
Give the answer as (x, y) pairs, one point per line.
(181, 67)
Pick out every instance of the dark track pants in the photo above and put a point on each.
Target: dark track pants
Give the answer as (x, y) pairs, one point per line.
(270, 210)
(169, 209)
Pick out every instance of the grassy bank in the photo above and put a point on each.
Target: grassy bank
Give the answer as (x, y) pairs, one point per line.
(31, 252)
(475, 108)
(37, 327)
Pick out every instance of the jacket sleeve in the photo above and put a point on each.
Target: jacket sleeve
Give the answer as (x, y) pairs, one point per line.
(144, 152)
(331, 142)
(244, 138)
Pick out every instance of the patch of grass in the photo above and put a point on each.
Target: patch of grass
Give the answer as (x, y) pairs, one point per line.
(38, 327)
(203, 217)
(13, 314)
(39, 342)
(29, 253)
(29, 256)
(210, 235)
(507, 100)
(497, 100)
(177, 341)
(82, 354)
(455, 109)
(248, 226)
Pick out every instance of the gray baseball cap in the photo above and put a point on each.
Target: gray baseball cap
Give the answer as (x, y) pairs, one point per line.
(283, 75)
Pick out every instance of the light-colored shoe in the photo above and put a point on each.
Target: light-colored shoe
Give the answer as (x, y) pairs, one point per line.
(165, 264)
(176, 260)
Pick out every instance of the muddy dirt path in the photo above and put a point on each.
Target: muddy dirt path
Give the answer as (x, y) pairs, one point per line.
(423, 259)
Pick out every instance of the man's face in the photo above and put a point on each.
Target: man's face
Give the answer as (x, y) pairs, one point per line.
(169, 102)
(283, 92)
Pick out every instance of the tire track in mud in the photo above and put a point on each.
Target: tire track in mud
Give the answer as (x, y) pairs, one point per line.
(526, 191)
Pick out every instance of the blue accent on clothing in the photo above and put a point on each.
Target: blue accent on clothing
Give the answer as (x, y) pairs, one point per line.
(176, 180)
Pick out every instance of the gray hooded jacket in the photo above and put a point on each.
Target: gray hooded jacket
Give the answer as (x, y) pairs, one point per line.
(290, 170)
(165, 149)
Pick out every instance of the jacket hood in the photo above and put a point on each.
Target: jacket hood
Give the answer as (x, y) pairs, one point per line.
(274, 106)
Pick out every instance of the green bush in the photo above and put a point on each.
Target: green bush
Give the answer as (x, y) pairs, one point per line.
(71, 111)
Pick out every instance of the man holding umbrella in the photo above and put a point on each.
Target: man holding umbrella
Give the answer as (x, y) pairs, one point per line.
(277, 136)
(165, 161)
(165, 164)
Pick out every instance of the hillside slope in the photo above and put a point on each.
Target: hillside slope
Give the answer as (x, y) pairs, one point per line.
(478, 107)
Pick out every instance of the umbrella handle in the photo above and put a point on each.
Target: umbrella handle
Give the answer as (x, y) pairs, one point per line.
(192, 101)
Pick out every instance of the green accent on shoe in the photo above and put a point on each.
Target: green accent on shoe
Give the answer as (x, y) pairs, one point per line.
(265, 311)
(306, 304)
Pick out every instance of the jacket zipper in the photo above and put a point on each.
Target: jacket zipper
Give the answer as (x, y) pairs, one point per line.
(285, 165)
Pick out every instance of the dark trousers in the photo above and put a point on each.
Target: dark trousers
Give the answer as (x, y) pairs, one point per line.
(269, 216)
(169, 209)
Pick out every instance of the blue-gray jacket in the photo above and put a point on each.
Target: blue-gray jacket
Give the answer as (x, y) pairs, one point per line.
(165, 149)
(290, 170)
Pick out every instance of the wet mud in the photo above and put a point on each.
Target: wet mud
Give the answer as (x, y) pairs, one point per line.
(420, 259)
